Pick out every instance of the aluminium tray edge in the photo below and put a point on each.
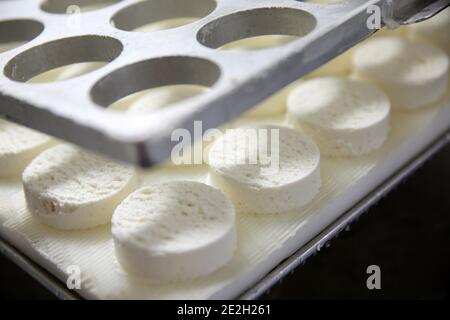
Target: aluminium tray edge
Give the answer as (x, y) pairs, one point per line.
(334, 229)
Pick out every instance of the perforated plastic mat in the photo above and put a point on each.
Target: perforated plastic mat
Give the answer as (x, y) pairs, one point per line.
(264, 241)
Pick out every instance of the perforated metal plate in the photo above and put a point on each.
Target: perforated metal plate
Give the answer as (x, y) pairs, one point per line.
(75, 109)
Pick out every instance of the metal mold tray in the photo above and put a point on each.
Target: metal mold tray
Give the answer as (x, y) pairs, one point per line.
(74, 109)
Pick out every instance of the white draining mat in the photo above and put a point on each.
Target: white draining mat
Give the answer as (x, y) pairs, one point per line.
(264, 240)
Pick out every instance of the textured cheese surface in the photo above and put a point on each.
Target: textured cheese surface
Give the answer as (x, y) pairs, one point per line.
(338, 103)
(344, 117)
(254, 190)
(18, 146)
(72, 189)
(264, 241)
(174, 231)
(413, 74)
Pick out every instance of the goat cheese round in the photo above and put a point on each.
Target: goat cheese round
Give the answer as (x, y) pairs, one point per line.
(18, 146)
(344, 117)
(275, 172)
(174, 231)
(68, 188)
(413, 74)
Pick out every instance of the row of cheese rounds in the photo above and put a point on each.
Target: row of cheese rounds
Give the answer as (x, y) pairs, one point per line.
(175, 230)
(396, 58)
(182, 230)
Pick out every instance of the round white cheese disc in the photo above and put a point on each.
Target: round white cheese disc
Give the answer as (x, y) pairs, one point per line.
(274, 173)
(344, 117)
(174, 231)
(18, 146)
(68, 188)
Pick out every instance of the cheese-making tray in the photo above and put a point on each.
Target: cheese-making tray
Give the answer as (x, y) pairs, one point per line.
(323, 239)
(75, 109)
(349, 187)
(269, 246)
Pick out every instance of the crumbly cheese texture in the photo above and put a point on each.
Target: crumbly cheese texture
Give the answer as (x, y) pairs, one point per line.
(174, 231)
(18, 146)
(260, 186)
(344, 117)
(413, 74)
(68, 188)
(434, 30)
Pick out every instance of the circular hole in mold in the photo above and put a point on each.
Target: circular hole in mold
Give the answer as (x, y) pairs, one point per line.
(83, 53)
(150, 100)
(149, 85)
(258, 42)
(154, 15)
(67, 72)
(275, 26)
(75, 6)
(14, 33)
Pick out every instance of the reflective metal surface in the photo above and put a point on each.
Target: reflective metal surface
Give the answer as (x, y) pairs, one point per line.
(74, 109)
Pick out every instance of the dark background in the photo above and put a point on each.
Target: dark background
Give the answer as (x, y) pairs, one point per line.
(407, 234)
